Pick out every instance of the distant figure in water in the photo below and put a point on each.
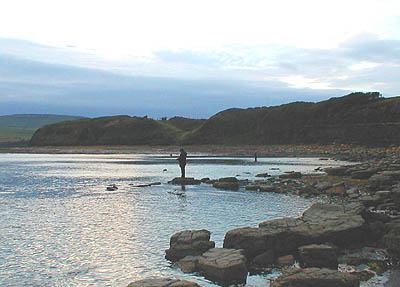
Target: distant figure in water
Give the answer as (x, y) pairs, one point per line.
(255, 157)
(182, 161)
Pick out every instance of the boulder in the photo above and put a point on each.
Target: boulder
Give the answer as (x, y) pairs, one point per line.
(392, 238)
(363, 174)
(188, 242)
(228, 179)
(336, 171)
(185, 181)
(268, 188)
(263, 175)
(290, 175)
(252, 187)
(162, 282)
(365, 256)
(323, 185)
(340, 225)
(188, 264)
(315, 277)
(265, 259)
(225, 266)
(318, 255)
(225, 185)
(286, 260)
(380, 180)
(338, 189)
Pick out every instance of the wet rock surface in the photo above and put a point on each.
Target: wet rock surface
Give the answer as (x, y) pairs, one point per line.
(189, 242)
(363, 210)
(318, 255)
(162, 282)
(185, 181)
(320, 223)
(315, 277)
(227, 183)
(225, 266)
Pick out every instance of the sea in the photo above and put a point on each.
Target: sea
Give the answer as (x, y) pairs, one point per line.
(60, 226)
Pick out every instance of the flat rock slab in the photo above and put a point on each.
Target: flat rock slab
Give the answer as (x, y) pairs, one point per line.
(188, 243)
(225, 266)
(162, 282)
(185, 181)
(319, 224)
(315, 277)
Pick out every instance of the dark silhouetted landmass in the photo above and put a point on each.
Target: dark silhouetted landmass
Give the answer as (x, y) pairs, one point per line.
(16, 129)
(116, 130)
(358, 118)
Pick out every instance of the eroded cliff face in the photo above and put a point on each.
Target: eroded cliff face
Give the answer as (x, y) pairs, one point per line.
(359, 118)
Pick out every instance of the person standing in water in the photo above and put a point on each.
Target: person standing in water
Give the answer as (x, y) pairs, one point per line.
(182, 161)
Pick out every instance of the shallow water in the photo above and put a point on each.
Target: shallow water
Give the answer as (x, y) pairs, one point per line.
(60, 227)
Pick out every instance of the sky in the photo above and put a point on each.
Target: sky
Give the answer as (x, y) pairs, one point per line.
(192, 58)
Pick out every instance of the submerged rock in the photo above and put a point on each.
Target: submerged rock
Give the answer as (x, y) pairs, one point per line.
(226, 185)
(315, 277)
(162, 282)
(189, 242)
(263, 175)
(290, 175)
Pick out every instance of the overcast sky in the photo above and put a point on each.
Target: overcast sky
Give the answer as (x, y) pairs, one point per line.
(192, 58)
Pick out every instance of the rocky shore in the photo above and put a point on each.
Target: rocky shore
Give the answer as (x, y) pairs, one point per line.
(352, 237)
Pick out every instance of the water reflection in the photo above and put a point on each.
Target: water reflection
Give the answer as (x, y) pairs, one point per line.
(60, 227)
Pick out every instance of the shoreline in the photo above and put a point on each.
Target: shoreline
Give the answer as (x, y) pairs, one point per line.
(339, 152)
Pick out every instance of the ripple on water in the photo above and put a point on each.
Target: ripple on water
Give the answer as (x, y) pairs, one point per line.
(59, 227)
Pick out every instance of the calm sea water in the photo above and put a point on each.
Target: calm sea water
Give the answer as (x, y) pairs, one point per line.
(60, 227)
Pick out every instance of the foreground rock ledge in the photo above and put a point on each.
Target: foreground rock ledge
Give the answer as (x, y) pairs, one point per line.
(162, 282)
(341, 226)
(315, 277)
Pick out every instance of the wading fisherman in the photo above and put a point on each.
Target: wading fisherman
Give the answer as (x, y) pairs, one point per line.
(182, 161)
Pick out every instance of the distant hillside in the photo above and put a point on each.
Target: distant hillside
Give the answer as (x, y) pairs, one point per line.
(21, 127)
(358, 118)
(117, 130)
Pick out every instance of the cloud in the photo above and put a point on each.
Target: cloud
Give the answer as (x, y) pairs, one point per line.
(193, 83)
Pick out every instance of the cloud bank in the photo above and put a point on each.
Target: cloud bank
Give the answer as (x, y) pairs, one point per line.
(195, 83)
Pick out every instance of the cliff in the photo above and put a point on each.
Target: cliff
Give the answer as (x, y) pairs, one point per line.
(358, 118)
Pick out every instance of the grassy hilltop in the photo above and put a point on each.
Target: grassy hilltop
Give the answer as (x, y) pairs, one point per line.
(358, 118)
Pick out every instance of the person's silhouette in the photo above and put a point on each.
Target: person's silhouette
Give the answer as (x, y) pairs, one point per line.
(182, 161)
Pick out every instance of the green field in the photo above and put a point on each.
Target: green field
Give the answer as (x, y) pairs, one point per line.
(21, 127)
(15, 134)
